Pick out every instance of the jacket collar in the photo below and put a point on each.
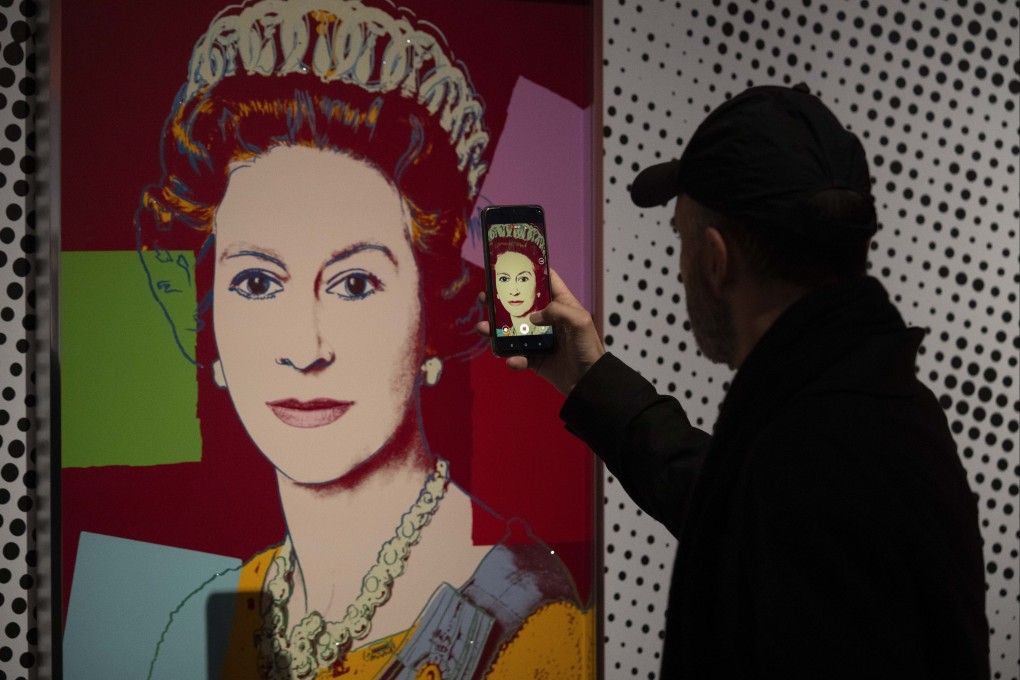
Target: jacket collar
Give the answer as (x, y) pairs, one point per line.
(845, 337)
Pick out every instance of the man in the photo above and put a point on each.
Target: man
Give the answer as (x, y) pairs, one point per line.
(825, 529)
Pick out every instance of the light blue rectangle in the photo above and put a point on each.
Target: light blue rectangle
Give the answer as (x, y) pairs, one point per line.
(121, 602)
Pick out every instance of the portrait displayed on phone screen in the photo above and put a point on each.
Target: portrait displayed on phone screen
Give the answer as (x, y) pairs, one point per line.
(517, 263)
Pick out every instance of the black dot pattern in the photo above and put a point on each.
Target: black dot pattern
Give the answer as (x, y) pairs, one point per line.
(18, 638)
(932, 89)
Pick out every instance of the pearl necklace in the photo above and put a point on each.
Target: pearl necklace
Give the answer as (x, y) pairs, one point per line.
(315, 643)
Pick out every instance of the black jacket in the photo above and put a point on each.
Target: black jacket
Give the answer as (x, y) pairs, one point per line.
(826, 530)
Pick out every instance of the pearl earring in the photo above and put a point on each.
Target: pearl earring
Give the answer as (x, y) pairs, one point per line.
(433, 369)
(217, 374)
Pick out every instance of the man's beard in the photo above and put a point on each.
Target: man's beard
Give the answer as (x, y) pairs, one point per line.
(711, 321)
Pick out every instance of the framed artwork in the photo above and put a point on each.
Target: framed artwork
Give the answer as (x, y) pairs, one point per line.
(284, 450)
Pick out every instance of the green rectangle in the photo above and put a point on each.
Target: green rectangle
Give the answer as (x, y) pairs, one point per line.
(128, 393)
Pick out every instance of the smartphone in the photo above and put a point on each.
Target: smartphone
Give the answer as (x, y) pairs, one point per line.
(517, 278)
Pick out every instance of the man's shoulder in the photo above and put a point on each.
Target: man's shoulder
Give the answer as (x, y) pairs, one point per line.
(843, 419)
(858, 449)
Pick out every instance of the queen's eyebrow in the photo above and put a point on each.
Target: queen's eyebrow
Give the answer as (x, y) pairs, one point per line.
(360, 247)
(268, 256)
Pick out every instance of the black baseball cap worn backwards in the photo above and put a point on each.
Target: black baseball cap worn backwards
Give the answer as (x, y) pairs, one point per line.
(760, 157)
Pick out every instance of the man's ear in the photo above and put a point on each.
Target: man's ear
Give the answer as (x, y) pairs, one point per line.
(171, 277)
(718, 258)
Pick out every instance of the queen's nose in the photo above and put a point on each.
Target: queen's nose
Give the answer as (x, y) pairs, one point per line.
(317, 364)
(307, 351)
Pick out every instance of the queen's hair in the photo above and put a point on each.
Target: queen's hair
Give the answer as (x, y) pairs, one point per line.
(334, 75)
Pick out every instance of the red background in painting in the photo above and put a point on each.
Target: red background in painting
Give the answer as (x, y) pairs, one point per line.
(120, 67)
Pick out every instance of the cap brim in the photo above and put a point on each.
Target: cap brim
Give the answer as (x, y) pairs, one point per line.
(656, 184)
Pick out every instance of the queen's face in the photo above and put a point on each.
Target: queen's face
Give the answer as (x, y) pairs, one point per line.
(515, 282)
(317, 310)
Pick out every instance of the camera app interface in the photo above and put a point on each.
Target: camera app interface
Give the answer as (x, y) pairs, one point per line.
(517, 254)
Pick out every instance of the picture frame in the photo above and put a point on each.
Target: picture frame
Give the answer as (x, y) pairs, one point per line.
(167, 494)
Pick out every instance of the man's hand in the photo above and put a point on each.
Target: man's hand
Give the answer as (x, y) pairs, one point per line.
(577, 342)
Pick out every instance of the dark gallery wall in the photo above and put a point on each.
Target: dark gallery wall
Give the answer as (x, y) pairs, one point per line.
(932, 87)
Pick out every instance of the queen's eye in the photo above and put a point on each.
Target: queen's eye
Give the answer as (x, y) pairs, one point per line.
(523, 278)
(354, 284)
(503, 278)
(256, 284)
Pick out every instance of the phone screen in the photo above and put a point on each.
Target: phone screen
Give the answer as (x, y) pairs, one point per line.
(517, 260)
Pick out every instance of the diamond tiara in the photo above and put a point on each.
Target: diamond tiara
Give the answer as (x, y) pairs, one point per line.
(345, 41)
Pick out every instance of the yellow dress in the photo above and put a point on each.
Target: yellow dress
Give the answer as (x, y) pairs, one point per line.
(555, 641)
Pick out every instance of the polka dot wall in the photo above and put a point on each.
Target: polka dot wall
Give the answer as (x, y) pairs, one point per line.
(932, 88)
(18, 627)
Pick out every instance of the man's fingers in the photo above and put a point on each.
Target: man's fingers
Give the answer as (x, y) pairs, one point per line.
(560, 314)
(482, 327)
(517, 363)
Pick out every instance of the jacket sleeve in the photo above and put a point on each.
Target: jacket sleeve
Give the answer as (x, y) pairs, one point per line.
(644, 438)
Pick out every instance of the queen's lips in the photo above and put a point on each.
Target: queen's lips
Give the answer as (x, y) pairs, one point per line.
(313, 413)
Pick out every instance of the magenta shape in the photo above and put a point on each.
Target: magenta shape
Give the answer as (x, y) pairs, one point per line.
(544, 157)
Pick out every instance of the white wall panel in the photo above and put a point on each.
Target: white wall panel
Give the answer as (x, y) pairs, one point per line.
(932, 90)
